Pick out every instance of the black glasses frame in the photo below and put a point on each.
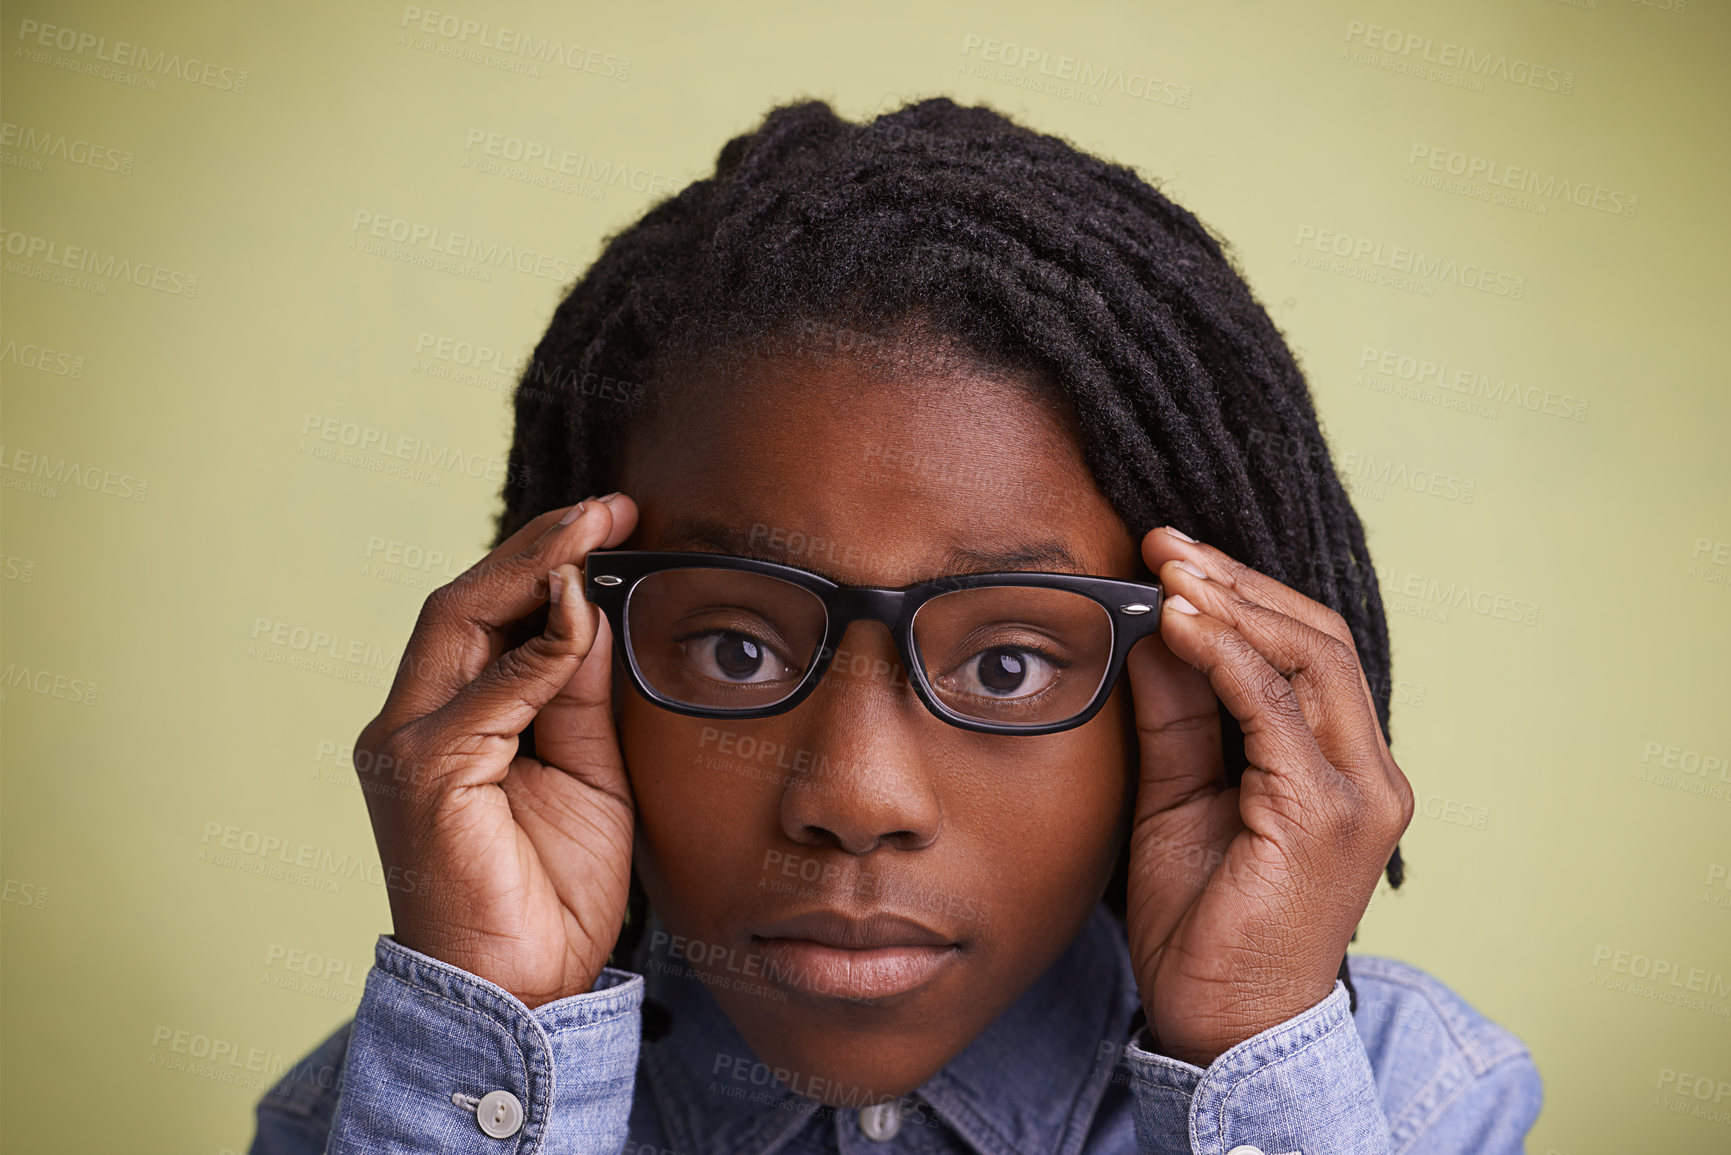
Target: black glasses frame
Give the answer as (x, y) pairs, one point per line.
(1132, 608)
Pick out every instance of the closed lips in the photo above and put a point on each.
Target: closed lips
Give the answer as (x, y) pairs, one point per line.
(829, 955)
(835, 929)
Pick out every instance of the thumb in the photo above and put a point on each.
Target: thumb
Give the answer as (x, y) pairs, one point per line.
(1184, 817)
(1177, 728)
(575, 730)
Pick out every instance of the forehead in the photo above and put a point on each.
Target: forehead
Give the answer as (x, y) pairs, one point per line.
(872, 476)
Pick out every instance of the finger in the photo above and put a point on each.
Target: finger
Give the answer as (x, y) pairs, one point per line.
(575, 731)
(573, 800)
(477, 730)
(1184, 813)
(1323, 671)
(1165, 544)
(501, 637)
(1177, 727)
(507, 584)
(1288, 774)
(461, 628)
(584, 848)
(1285, 762)
(1175, 855)
(625, 514)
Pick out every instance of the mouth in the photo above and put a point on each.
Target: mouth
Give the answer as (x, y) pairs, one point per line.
(834, 956)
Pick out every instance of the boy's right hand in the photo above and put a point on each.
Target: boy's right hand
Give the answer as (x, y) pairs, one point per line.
(521, 865)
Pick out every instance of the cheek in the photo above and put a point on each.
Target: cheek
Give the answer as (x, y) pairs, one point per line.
(1040, 827)
(704, 814)
(1073, 815)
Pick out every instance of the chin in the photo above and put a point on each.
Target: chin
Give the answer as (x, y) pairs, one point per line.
(848, 1053)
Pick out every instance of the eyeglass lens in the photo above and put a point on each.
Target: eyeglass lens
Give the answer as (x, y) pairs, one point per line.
(734, 640)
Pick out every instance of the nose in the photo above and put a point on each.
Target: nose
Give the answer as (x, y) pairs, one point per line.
(868, 783)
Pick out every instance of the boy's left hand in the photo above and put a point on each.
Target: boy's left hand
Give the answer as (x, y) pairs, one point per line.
(1242, 900)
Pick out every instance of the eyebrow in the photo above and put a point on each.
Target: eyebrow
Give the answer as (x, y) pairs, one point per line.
(1039, 556)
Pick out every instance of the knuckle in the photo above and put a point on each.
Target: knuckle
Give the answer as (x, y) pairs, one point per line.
(1337, 659)
(1344, 813)
(1274, 694)
(525, 561)
(373, 734)
(418, 743)
(468, 746)
(523, 573)
(381, 741)
(1244, 609)
(1211, 653)
(419, 762)
(1405, 801)
(536, 660)
(1334, 624)
(388, 771)
(1229, 568)
(1188, 724)
(438, 607)
(519, 664)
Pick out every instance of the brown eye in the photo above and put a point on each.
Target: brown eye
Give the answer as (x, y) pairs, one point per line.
(1001, 672)
(732, 656)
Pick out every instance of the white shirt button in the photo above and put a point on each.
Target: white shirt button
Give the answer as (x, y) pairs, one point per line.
(1245, 1149)
(880, 1123)
(500, 1113)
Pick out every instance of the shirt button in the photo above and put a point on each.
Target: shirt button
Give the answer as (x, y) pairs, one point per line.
(1245, 1149)
(880, 1123)
(500, 1113)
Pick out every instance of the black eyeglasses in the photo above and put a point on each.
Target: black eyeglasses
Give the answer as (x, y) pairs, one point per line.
(718, 636)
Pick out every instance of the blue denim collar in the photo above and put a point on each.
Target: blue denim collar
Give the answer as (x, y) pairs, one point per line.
(1029, 1084)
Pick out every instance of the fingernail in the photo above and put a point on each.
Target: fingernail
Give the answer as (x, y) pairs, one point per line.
(1180, 535)
(1177, 602)
(1190, 568)
(575, 512)
(608, 496)
(554, 582)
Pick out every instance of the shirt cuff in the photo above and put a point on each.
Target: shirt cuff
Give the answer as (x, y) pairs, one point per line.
(443, 1060)
(1303, 1086)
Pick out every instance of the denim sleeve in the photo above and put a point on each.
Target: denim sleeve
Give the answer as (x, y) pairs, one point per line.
(1490, 1116)
(1303, 1086)
(430, 1042)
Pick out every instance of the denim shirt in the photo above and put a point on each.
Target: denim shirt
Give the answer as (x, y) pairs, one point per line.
(435, 1055)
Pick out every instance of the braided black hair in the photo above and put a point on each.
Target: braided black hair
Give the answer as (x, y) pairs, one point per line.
(962, 226)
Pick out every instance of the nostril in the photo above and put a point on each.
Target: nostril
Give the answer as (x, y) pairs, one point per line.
(823, 836)
(863, 844)
(916, 840)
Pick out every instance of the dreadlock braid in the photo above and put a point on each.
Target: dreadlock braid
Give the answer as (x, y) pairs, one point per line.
(1029, 254)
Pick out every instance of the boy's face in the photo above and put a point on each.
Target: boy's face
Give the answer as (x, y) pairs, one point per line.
(859, 803)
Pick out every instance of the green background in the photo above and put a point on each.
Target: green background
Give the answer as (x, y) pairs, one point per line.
(1570, 763)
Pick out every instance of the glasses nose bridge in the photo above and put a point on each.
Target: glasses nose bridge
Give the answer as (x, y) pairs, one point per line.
(867, 603)
(852, 604)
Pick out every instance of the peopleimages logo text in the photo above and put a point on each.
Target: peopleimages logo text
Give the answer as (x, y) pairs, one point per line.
(125, 54)
(1549, 186)
(107, 266)
(1424, 268)
(515, 42)
(466, 246)
(1085, 74)
(1483, 63)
